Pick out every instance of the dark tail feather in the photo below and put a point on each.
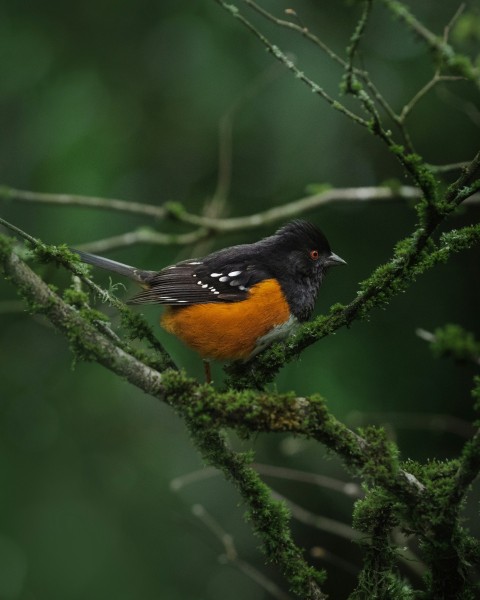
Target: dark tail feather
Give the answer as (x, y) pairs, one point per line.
(114, 266)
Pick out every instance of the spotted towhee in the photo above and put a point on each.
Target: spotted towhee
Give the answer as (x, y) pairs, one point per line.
(233, 303)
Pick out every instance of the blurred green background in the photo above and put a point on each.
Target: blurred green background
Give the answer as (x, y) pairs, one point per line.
(123, 100)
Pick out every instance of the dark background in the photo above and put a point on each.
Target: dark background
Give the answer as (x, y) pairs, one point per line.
(123, 100)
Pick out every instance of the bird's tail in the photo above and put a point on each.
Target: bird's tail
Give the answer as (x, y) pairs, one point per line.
(116, 267)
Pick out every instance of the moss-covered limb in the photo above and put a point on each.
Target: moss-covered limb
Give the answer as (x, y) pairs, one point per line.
(371, 456)
(411, 258)
(466, 185)
(450, 554)
(375, 517)
(206, 410)
(447, 548)
(270, 519)
(469, 468)
(457, 63)
(248, 411)
(86, 342)
(134, 324)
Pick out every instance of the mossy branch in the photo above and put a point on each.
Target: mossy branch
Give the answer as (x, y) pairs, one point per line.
(201, 404)
(418, 498)
(458, 63)
(425, 499)
(411, 257)
(205, 410)
(270, 518)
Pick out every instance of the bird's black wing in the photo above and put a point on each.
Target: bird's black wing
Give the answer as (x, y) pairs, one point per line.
(220, 277)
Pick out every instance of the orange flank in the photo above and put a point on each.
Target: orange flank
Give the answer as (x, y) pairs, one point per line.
(229, 330)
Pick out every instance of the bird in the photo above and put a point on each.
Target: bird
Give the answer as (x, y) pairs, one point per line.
(235, 302)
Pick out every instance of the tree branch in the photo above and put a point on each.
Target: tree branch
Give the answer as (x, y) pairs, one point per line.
(458, 63)
(138, 208)
(259, 412)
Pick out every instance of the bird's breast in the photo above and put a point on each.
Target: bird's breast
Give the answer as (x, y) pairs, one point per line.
(233, 330)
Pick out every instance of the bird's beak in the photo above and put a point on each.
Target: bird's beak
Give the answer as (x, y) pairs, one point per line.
(334, 260)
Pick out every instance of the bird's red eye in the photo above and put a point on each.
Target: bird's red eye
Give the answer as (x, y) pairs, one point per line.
(314, 254)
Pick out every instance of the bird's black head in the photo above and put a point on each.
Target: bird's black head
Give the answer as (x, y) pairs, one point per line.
(300, 256)
(303, 249)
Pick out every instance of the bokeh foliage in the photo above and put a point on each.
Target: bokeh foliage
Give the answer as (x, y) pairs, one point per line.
(124, 100)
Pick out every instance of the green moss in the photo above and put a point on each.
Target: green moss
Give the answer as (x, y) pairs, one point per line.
(270, 518)
(375, 517)
(381, 465)
(336, 308)
(203, 410)
(62, 254)
(175, 209)
(6, 247)
(476, 392)
(137, 328)
(317, 188)
(453, 341)
(75, 297)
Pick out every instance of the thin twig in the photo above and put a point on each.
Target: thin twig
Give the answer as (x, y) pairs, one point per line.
(299, 29)
(319, 521)
(231, 554)
(438, 422)
(449, 168)
(462, 188)
(407, 556)
(469, 468)
(461, 64)
(144, 236)
(321, 553)
(298, 207)
(138, 208)
(345, 487)
(354, 44)
(348, 488)
(289, 64)
(436, 79)
(448, 27)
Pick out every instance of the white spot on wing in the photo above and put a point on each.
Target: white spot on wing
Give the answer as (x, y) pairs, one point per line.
(199, 282)
(223, 279)
(234, 282)
(242, 287)
(205, 285)
(195, 262)
(215, 274)
(234, 273)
